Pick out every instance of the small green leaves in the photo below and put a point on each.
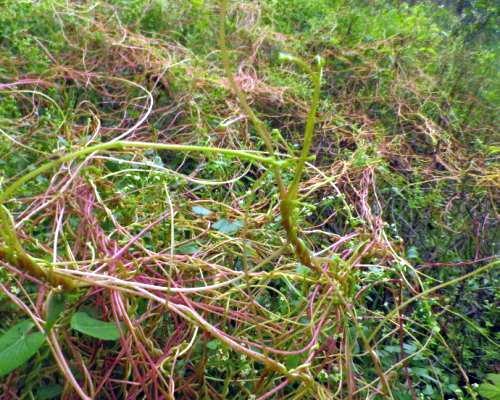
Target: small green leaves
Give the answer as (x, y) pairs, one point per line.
(490, 391)
(17, 346)
(228, 227)
(201, 211)
(84, 323)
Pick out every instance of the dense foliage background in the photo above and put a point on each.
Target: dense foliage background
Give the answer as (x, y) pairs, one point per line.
(400, 197)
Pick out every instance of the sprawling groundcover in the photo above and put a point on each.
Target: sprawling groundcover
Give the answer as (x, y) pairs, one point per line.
(274, 199)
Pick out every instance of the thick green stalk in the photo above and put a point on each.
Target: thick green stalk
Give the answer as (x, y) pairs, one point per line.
(288, 204)
(14, 253)
(288, 197)
(260, 127)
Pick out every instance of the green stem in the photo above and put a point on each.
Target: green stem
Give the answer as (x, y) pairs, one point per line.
(308, 133)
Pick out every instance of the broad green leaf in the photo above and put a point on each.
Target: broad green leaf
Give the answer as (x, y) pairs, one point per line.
(84, 323)
(48, 392)
(190, 248)
(202, 211)
(490, 391)
(55, 307)
(494, 378)
(17, 346)
(10, 337)
(228, 227)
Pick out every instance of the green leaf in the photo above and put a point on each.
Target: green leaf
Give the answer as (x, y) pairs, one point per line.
(48, 392)
(410, 348)
(490, 391)
(228, 227)
(202, 211)
(190, 248)
(55, 307)
(428, 390)
(422, 373)
(213, 344)
(494, 378)
(392, 349)
(402, 395)
(302, 269)
(84, 323)
(20, 329)
(412, 253)
(293, 361)
(17, 346)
